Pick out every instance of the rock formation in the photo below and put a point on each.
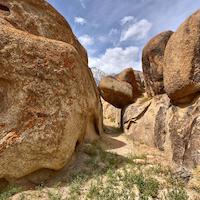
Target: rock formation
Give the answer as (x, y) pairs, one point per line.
(182, 58)
(153, 63)
(140, 80)
(111, 115)
(139, 119)
(118, 93)
(49, 100)
(170, 122)
(128, 75)
(122, 89)
(173, 129)
(41, 19)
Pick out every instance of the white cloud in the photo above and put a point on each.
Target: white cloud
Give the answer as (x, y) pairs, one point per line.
(86, 40)
(80, 20)
(127, 19)
(82, 3)
(113, 31)
(136, 31)
(116, 59)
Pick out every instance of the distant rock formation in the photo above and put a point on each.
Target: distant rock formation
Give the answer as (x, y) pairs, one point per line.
(49, 100)
(98, 74)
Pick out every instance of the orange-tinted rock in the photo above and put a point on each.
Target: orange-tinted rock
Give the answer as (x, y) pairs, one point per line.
(153, 63)
(182, 58)
(118, 93)
(49, 102)
(39, 18)
(128, 76)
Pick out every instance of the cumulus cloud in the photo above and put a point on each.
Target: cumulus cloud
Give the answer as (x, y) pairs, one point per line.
(80, 20)
(136, 31)
(86, 40)
(116, 59)
(127, 19)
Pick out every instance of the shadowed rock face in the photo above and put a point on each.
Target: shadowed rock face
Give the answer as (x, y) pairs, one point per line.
(170, 128)
(39, 18)
(153, 63)
(49, 102)
(182, 58)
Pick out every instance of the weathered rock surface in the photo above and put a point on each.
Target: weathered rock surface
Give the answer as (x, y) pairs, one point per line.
(173, 129)
(39, 18)
(153, 63)
(183, 128)
(128, 76)
(49, 101)
(140, 122)
(140, 80)
(111, 115)
(118, 93)
(182, 58)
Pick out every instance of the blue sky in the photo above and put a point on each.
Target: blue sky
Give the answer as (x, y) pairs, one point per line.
(114, 32)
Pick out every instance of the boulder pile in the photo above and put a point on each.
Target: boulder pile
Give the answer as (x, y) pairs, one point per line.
(167, 116)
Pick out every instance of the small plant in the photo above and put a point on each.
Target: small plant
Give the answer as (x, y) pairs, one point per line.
(148, 187)
(54, 196)
(177, 194)
(9, 192)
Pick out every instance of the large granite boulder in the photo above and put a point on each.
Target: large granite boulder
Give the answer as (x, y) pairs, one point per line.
(182, 58)
(39, 18)
(153, 63)
(170, 128)
(118, 93)
(49, 101)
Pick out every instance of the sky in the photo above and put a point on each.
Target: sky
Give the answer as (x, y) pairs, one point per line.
(114, 32)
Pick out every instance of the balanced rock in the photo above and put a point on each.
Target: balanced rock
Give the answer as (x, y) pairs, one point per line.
(182, 58)
(118, 93)
(153, 63)
(49, 100)
(128, 76)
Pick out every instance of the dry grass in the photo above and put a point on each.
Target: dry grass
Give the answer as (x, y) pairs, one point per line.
(103, 175)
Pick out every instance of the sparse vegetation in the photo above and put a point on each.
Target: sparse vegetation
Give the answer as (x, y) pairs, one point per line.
(177, 194)
(9, 191)
(108, 176)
